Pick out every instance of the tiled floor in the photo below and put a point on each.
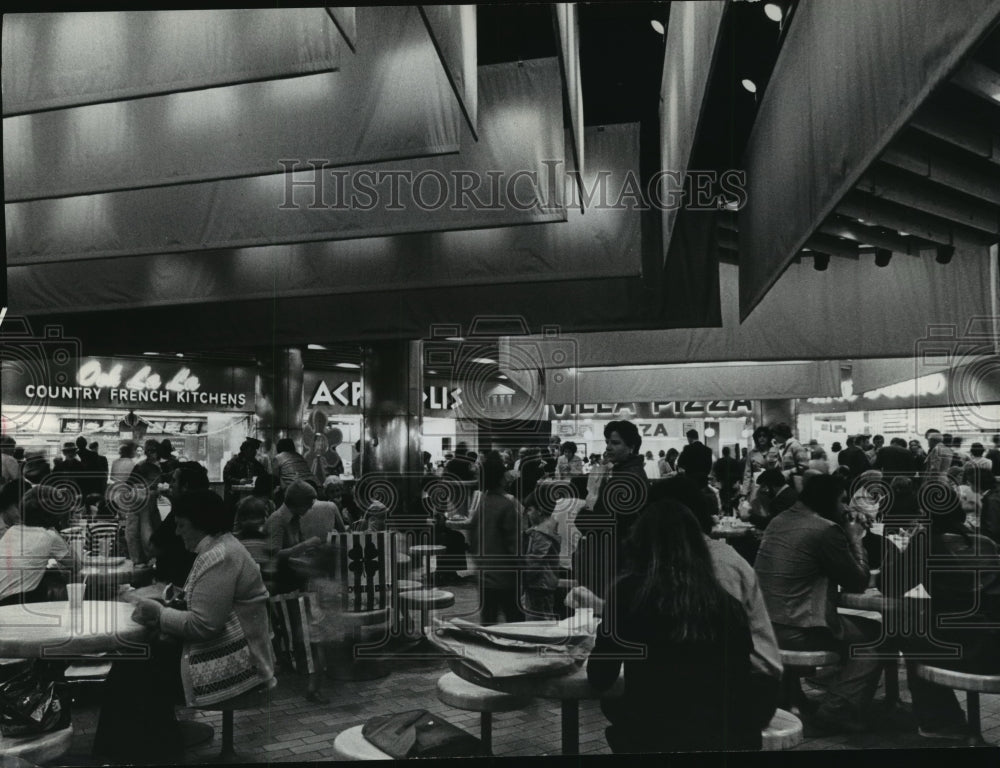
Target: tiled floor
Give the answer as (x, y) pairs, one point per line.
(294, 730)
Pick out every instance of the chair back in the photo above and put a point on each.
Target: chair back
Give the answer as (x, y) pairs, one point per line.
(104, 538)
(290, 617)
(365, 564)
(76, 538)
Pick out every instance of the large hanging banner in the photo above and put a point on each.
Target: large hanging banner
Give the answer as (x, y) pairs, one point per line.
(453, 30)
(512, 175)
(604, 243)
(54, 60)
(692, 33)
(391, 100)
(568, 28)
(849, 76)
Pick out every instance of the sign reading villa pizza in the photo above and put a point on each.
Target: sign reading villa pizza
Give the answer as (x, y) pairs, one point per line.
(125, 383)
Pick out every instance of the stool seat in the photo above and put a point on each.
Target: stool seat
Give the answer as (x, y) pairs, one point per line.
(92, 671)
(352, 745)
(427, 598)
(783, 732)
(458, 693)
(809, 658)
(365, 618)
(406, 585)
(963, 681)
(256, 698)
(41, 749)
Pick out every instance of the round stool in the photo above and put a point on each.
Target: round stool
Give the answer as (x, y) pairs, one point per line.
(797, 665)
(352, 745)
(972, 684)
(458, 693)
(407, 585)
(427, 553)
(783, 732)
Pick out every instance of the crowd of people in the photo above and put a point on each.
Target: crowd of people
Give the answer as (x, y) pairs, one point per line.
(710, 614)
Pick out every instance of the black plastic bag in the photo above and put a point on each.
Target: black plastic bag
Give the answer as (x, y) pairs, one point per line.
(30, 705)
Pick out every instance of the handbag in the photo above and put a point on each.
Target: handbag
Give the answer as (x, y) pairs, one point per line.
(419, 733)
(30, 706)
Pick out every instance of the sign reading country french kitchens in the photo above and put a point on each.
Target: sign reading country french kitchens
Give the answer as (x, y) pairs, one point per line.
(101, 382)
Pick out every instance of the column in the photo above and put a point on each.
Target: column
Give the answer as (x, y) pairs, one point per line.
(771, 412)
(392, 379)
(280, 402)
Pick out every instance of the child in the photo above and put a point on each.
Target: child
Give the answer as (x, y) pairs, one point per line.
(542, 558)
(250, 515)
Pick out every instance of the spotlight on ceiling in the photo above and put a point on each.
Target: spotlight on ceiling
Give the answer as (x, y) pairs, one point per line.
(347, 365)
(882, 256)
(657, 26)
(749, 85)
(315, 347)
(944, 253)
(773, 12)
(820, 261)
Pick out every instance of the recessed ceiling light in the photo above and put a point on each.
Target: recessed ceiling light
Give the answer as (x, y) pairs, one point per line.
(501, 376)
(773, 12)
(432, 373)
(179, 354)
(454, 338)
(749, 85)
(316, 347)
(150, 353)
(904, 234)
(484, 361)
(347, 365)
(657, 26)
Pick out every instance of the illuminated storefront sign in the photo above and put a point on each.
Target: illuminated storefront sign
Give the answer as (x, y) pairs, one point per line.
(652, 410)
(124, 383)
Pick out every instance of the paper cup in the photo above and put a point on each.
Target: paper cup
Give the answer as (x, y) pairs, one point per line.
(75, 592)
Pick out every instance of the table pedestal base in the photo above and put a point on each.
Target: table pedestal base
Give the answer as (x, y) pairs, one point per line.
(194, 734)
(570, 727)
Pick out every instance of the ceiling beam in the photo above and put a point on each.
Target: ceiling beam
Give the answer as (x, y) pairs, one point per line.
(912, 191)
(979, 80)
(912, 154)
(880, 237)
(960, 127)
(834, 246)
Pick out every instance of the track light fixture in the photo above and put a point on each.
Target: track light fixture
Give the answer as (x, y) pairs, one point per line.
(820, 261)
(882, 256)
(944, 254)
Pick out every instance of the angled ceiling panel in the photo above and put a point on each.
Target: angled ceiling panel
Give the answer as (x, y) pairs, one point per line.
(53, 60)
(453, 31)
(849, 77)
(390, 100)
(345, 17)
(522, 134)
(604, 243)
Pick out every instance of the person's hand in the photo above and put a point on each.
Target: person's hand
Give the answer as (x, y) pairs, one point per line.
(855, 531)
(147, 612)
(583, 598)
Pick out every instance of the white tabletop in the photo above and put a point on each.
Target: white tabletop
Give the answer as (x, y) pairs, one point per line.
(40, 630)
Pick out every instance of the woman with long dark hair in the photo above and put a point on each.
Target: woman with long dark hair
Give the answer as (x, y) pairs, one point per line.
(684, 641)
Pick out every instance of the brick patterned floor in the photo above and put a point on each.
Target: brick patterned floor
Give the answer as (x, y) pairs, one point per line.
(295, 730)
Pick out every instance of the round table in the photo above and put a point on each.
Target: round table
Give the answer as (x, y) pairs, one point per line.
(48, 630)
(732, 532)
(568, 689)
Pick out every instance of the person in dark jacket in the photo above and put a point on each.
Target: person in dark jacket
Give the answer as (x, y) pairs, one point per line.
(934, 557)
(696, 458)
(895, 459)
(853, 458)
(622, 495)
(807, 552)
(684, 641)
